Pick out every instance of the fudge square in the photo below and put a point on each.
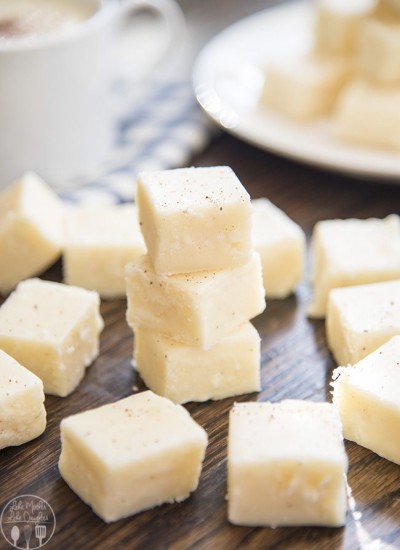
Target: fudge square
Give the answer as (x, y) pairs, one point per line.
(286, 465)
(53, 330)
(367, 395)
(198, 309)
(99, 242)
(186, 373)
(22, 412)
(353, 252)
(378, 53)
(31, 235)
(337, 26)
(281, 245)
(137, 453)
(367, 113)
(362, 318)
(194, 219)
(304, 87)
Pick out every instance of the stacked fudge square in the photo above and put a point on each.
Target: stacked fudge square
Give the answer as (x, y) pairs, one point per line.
(190, 298)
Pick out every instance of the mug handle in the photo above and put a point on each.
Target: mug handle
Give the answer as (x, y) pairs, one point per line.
(169, 11)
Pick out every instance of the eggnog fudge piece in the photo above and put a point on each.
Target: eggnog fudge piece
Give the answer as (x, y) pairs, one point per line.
(22, 412)
(304, 87)
(31, 234)
(100, 241)
(137, 453)
(186, 373)
(337, 25)
(281, 245)
(194, 219)
(197, 309)
(367, 395)
(378, 52)
(368, 114)
(362, 318)
(352, 252)
(286, 465)
(53, 330)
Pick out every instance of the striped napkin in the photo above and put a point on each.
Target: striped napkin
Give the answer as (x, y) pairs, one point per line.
(162, 127)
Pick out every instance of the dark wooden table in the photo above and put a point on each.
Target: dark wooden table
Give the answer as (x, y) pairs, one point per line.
(295, 364)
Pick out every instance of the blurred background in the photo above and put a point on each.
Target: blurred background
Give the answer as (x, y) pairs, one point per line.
(161, 125)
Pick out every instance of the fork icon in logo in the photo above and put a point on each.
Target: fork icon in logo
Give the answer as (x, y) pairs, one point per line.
(40, 533)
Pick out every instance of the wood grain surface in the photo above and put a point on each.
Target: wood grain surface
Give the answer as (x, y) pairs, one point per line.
(295, 364)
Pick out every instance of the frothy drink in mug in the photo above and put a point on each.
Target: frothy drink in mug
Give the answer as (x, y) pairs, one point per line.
(31, 19)
(57, 63)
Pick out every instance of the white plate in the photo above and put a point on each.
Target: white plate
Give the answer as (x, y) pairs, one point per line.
(228, 76)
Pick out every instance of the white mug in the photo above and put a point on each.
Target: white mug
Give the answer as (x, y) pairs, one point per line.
(56, 117)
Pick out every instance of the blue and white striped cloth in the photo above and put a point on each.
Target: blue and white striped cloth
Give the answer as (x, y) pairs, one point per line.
(163, 127)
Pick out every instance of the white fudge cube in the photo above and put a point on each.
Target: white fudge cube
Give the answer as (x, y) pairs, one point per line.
(31, 230)
(194, 219)
(378, 52)
(99, 242)
(368, 114)
(198, 309)
(337, 24)
(367, 395)
(362, 318)
(185, 373)
(352, 252)
(286, 465)
(53, 330)
(281, 245)
(304, 87)
(137, 453)
(22, 412)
